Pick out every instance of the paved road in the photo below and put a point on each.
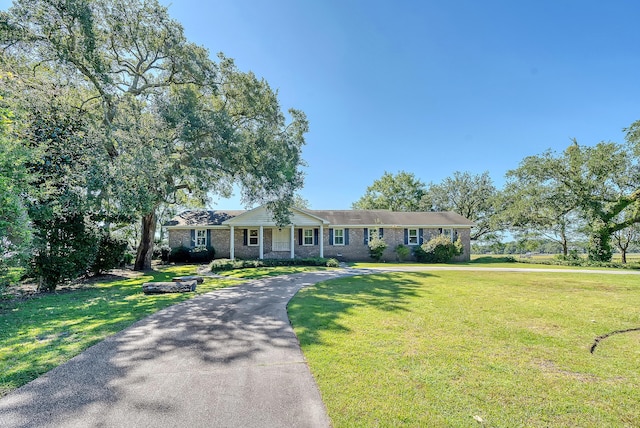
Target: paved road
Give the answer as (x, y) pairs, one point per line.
(224, 359)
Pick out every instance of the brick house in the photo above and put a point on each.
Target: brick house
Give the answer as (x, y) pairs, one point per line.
(342, 234)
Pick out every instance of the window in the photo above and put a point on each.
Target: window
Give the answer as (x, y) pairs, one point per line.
(338, 236)
(373, 233)
(253, 237)
(201, 238)
(412, 237)
(308, 237)
(447, 233)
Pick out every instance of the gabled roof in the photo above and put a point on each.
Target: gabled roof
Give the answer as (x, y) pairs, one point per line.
(202, 218)
(331, 217)
(392, 218)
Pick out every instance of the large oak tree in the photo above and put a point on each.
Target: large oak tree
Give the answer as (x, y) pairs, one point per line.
(171, 122)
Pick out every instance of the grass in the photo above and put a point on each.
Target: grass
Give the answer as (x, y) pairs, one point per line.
(39, 333)
(460, 348)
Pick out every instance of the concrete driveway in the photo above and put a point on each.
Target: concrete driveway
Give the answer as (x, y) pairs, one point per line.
(224, 359)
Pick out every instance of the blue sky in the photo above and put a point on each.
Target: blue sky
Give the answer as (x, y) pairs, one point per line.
(430, 87)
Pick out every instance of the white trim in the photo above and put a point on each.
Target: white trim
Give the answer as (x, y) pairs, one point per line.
(304, 237)
(293, 251)
(204, 238)
(321, 238)
(232, 246)
(409, 229)
(261, 240)
(249, 244)
(334, 236)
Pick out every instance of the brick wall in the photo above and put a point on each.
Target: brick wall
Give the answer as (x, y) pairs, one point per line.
(357, 250)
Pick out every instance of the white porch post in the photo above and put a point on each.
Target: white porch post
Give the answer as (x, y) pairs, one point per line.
(261, 256)
(231, 246)
(320, 238)
(293, 243)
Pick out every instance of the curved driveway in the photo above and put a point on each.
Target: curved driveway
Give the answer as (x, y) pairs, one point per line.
(228, 358)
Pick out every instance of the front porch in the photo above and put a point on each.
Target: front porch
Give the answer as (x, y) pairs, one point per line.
(255, 235)
(275, 242)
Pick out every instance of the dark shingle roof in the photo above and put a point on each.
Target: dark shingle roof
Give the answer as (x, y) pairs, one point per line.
(202, 218)
(390, 218)
(336, 217)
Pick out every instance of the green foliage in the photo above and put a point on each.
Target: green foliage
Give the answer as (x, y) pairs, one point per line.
(180, 255)
(220, 265)
(472, 196)
(400, 192)
(202, 254)
(377, 246)
(402, 251)
(110, 254)
(64, 248)
(439, 249)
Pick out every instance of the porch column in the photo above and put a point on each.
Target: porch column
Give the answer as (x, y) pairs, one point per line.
(320, 238)
(261, 256)
(231, 245)
(293, 244)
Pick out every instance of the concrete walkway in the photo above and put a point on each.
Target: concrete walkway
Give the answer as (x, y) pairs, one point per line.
(228, 358)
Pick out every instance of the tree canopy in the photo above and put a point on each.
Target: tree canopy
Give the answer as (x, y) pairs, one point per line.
(400, 192)
(147, 117)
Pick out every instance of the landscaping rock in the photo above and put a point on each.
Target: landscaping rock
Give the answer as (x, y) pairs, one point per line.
(199, 279)
(169, 287)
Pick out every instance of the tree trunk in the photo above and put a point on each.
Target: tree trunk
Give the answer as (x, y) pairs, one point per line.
(624, 256)
(145, 249)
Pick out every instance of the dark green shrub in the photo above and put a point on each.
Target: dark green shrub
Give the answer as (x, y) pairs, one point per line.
(202, 254)
(128, 258)
(220, 265)
(64, 248)
(180, 255)
(165, 251)
(402, 251)
(110, 254)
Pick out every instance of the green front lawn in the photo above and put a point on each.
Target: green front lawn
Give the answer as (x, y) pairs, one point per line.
(457, 348)
(41, 332)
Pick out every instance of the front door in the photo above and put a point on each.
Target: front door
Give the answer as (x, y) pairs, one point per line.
(281, 240)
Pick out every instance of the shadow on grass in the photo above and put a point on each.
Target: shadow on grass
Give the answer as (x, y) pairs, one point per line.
(321, 307)
(207, 340)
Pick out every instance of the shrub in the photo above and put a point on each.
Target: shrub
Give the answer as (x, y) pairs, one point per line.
(110, 254)
(165, 251)
(180, 255)
(376, 248)
(202, 254)
(438, 250)
(402, 251)
(64, 249)
(220, 265)
(128, 258)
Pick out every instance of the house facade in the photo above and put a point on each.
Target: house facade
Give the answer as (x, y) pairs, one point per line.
(341, 234)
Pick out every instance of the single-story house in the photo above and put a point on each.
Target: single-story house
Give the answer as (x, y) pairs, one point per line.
(342, 234)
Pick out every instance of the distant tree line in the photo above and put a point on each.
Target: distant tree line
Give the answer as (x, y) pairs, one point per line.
(585, 197)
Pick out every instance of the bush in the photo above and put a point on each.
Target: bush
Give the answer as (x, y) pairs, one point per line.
(165, 251)
(202, 254)
(402, 251)
(376, 248)
(110, 254)
(64, 249)
(128, 258)
(180, 255)
(438, 250)
(228, 264)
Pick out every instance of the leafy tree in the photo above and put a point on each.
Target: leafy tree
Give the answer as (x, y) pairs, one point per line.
(400, 192)
(545, 209)
(171, 123)
(377, 245)
(471, 196)
(601, 183)
(625, 238)
(15, 229)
